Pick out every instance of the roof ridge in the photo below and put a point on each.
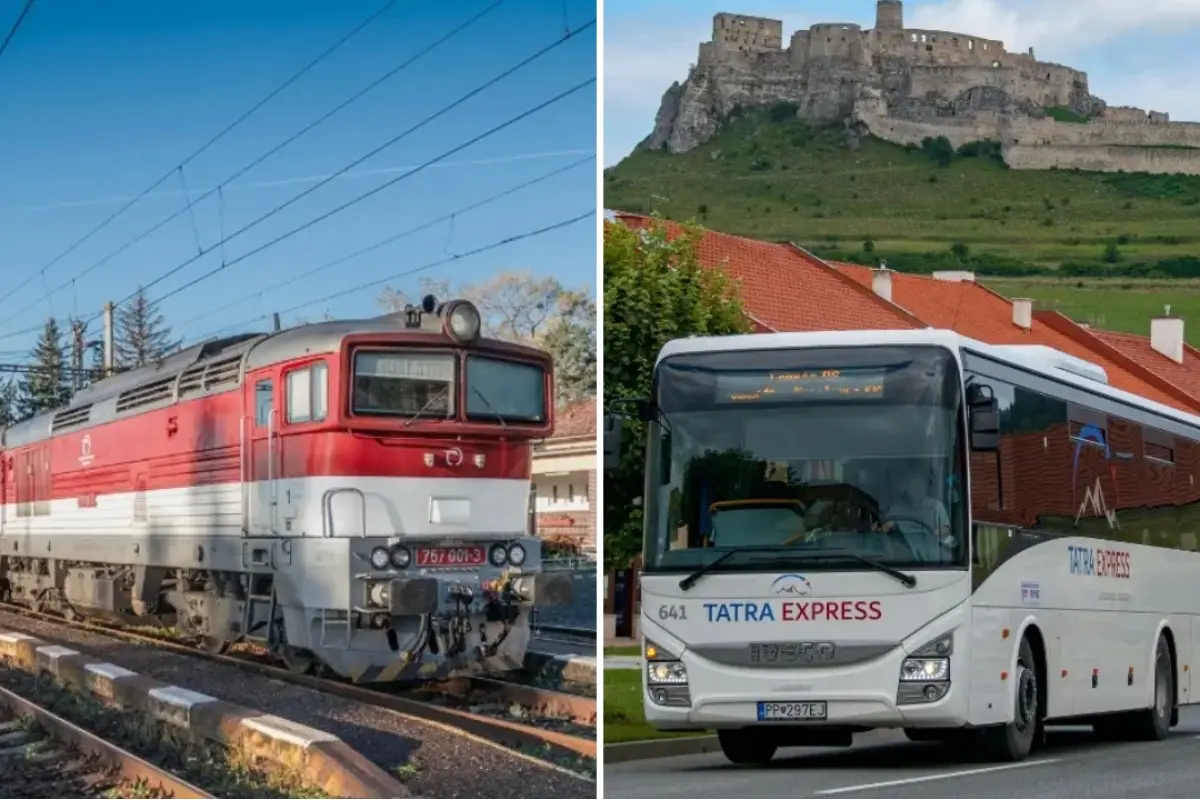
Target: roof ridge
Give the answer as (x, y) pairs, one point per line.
(1063, 324)
(890, 305)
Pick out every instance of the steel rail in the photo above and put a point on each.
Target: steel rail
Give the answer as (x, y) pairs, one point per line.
(502, 731)
(126, 764)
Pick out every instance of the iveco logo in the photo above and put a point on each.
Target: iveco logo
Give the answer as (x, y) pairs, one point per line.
(795, 585)
(792, 652)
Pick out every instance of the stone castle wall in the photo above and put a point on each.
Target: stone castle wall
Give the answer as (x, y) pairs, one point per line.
(907, 84)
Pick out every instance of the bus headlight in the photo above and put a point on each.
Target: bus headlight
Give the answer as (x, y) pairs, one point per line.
(925, 669)
(462, 321)
(379, 558)
(516, 555)
(497, 555)
(669, 672)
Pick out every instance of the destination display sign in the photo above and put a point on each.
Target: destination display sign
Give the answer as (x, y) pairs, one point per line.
(779, 386)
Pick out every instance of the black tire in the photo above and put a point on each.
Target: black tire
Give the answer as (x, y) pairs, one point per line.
(1012, 742)
(1154, 723)
(747, 746)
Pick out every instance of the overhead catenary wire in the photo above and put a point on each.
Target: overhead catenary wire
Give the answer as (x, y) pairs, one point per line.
(202, 149)
(406, 273)
(16, 26)
(396, 237)
(191, 203)
(360, 198)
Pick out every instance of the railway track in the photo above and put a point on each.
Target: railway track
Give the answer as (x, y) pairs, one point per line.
(558, 724)
(44, 755)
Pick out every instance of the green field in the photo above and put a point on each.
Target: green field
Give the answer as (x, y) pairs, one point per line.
(1116, 305)
(769, 176)
(623, 717)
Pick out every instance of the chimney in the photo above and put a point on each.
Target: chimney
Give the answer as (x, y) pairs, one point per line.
(1023, 313)
(1166, 336)
(954, 276)
(881, 281)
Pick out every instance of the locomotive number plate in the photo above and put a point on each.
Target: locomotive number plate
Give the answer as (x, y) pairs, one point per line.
(471, 556)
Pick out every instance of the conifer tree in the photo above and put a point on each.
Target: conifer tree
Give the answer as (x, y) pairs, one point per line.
(10, 411)
(142, 335)
(46, 386)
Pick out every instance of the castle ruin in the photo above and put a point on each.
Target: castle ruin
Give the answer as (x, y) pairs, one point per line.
(903, 85)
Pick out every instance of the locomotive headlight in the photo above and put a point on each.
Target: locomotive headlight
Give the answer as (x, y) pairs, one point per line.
(497, 555)
(400, 557)
(379, 558)
(516, 555)
(462, 320)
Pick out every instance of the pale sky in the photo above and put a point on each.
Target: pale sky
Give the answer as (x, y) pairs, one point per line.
(1136, 52)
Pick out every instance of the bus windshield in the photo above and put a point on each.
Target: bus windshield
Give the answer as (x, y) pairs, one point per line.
(838, 450)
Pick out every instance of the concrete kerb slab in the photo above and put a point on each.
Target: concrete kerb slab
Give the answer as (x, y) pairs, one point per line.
(321, 758)
(573, 669)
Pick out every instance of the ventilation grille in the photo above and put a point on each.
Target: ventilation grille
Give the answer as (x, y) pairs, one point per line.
(71, 418)
(200, 378)
(147, 394)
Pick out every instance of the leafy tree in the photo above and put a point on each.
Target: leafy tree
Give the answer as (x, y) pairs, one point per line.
(142, 335)
(654, 291)
(46, 386)
(519, 307)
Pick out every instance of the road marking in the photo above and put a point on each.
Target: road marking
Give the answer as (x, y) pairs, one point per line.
(940, 776)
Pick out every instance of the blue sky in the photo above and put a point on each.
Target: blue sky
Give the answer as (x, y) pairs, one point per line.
(99, 100)
(1139, 53)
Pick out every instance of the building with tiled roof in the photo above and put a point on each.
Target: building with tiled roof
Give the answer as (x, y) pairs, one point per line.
(786, 288)
(778, 285)
(564, 479)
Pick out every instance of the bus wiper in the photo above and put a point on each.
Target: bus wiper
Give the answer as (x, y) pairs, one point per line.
(690, 580)
(908, 580)
(491, 407)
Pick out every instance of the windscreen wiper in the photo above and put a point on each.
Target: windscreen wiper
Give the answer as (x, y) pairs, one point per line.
(491, 407)
(690, 580)
(908, 580)
(800, 555)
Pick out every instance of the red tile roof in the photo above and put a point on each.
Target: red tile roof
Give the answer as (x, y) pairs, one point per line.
(577, 420)
(1186, 375)
(976, 311)
(786, 288)
(784, 291)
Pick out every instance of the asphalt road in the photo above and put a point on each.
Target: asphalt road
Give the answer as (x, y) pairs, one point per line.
(885, 764)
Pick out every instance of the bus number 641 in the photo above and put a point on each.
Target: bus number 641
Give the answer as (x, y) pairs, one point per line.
(672, 612)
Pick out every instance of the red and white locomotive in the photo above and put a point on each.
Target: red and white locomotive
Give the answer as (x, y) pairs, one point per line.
(354, 494)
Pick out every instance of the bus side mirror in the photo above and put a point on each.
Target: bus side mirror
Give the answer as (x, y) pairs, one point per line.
(612, 441)
(985, 428)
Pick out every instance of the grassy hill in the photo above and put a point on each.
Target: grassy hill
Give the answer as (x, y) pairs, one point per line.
(769, 176)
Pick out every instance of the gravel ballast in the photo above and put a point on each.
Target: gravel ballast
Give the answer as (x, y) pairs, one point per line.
(432, 761)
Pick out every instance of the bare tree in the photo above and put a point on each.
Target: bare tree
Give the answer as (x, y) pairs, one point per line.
(521, 307)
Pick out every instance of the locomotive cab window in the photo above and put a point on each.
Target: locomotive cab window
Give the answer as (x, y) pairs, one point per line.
(505, 390)
(404, 384)
(307, 394)
(264, 401)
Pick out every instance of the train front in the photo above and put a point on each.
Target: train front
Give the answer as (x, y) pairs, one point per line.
(444, 564)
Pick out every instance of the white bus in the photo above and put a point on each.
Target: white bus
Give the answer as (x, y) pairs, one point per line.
(911, 529)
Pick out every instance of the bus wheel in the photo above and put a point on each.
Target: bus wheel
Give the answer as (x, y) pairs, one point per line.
(746, 746)
(1012, 742)
(1154, 723)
